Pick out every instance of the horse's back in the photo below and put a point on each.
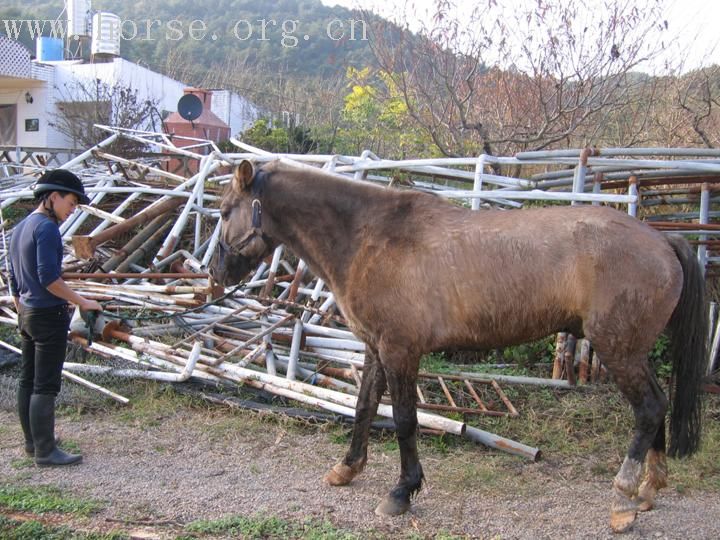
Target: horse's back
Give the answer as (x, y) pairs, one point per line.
(450, 277)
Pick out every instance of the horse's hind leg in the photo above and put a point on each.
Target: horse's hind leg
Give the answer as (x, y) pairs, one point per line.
(372, 388)
(655, 467)
(649, 404)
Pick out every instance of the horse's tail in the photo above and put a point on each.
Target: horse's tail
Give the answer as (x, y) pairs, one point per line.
(688, 329)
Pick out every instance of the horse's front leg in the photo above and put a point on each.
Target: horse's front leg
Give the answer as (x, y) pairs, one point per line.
(402, 383)
(372, 388)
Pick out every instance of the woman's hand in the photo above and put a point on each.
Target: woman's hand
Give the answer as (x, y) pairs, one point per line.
(90, 305)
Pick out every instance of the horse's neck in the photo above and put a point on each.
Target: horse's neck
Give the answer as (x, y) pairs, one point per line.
(319, 223)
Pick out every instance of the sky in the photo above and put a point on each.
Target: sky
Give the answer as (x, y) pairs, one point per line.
(693, 22)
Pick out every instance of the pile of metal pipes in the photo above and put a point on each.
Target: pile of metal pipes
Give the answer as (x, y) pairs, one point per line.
(143, 245)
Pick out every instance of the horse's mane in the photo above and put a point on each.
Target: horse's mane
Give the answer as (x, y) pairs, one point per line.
(362, 193)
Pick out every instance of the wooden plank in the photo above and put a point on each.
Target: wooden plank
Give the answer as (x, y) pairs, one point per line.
(559, 353)
(584, 370)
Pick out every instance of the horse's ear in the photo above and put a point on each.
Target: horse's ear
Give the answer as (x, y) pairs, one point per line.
(243, 176)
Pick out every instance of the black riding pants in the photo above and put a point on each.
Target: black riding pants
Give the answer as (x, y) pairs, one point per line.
(44, 341)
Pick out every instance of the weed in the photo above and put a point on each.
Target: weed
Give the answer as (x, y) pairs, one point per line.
(439, 443)
(10, 334)
(253, 527)
(391, 445)
(152, 402)
(436, 363)
(70, 445)
(260, 526)
(22, 463)
(340, 435)
(42, 499)
(446, 536)
(11, 529)
(659, 357)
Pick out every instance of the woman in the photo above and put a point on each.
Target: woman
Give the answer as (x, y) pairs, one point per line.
(41, 298)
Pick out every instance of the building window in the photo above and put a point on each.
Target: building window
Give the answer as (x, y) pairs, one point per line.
(32, 124)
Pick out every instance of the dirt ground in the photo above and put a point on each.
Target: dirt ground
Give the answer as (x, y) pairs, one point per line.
(201, 464)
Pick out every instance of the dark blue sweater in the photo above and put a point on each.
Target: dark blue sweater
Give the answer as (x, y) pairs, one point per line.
(36, 252)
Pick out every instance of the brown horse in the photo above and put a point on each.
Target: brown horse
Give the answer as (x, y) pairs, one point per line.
(414, 274)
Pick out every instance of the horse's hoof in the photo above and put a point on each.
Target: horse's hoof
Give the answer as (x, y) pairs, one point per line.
(645, 505)
(392, 507)
(622, 521)
(339, 475)
(646, 497)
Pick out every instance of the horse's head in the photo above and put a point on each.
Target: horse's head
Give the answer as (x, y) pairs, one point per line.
(243, 244)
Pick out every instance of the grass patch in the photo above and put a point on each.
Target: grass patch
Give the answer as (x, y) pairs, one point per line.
(260, 526)
(566, 424)
(22, 463)
(530, 360)
(43, 499)
(702, 470)
(152, 403)
(583, 435)
(11, 529)
(340, 434)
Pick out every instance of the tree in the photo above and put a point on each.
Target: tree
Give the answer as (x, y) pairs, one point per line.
(86, 103)
(697, 95)
(375, 117)
(560, 69)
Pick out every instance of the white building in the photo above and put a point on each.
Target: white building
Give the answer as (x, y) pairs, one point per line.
(32, 92)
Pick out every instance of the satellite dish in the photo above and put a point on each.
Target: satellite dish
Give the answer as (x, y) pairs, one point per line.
(190, 107)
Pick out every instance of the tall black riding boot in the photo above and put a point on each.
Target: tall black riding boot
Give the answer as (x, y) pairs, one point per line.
(23, 409)
(42, 423)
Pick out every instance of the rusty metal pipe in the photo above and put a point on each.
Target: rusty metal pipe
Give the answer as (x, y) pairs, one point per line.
(116, 260)
(138, 252)
(84, 246)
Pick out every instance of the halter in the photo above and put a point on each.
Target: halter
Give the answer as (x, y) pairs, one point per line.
(257, 189)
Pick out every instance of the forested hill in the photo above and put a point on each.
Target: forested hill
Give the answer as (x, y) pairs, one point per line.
(302, 37)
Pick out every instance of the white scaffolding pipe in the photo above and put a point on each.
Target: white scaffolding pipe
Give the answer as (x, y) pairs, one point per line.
(478, 181)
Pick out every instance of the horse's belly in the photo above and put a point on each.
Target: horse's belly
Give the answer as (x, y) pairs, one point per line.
(484, 331)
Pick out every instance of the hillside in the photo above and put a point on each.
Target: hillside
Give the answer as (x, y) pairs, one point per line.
(297, 37)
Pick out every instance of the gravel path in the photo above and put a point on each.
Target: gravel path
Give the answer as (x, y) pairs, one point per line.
(197, 465)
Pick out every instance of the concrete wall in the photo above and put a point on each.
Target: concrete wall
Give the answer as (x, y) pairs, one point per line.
(234, 110)
(149, 85)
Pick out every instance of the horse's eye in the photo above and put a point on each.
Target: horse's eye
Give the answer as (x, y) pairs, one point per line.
(225, 213)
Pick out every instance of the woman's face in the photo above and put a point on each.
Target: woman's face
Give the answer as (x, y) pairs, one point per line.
(64, 206)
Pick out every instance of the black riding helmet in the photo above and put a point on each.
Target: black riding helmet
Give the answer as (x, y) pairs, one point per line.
(63, 181)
